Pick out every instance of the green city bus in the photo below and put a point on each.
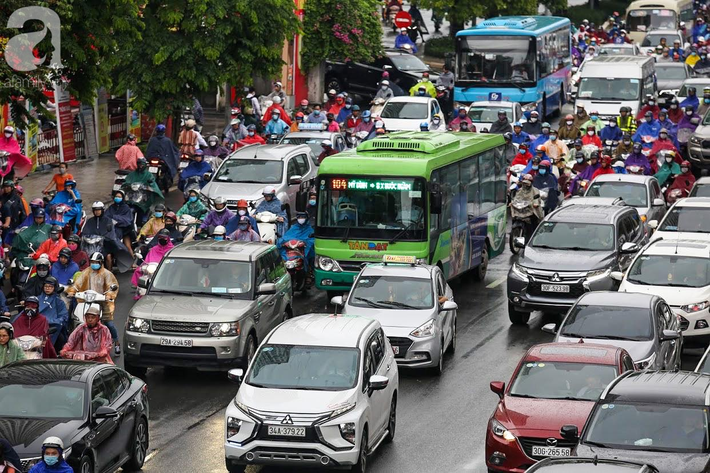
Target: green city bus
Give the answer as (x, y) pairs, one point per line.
(440, 197)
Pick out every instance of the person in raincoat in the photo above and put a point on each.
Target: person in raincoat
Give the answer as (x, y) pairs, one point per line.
(154, 224)
(242, 211)
(113, 247)
(647, 131)
(122, 215)
(687, 125)
(426, 83)
(71, 197)
(403, 39)
(52, 460)
(605, 167)
(669, 168)
(543, 137)
(544, 179)
(302, 231)
(17, 165)
(244, 232)
(663, 142)
(220, 215)
(128, 154)
(272, 204)
(193, 206)
(153, 193)
(586, 174)
(64, 269)
(32, 322)
(533, 126)
(55, 310)
(92, 337)
(691, 100)
(155, 255)
(197, 167)
(594, 121)
(162, 147)
(10, 350)
(683, 181)
(78, 255)
(611, 131)
(637, 158)
(28, 240)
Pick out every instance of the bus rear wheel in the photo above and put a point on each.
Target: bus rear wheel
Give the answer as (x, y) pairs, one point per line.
(479, 273)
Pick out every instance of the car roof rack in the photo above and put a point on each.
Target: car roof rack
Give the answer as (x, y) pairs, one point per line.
(614, 382)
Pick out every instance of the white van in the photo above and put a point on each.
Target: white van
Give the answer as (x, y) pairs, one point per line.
(608, 83)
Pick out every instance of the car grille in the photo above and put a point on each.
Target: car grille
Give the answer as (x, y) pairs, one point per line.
(529, 442)
(186, 352)
(179, 327)
(684, 324)
(274, 417)
(572, 279)
(352, 266)
(705, 144)
(28, 463)
(403, 343)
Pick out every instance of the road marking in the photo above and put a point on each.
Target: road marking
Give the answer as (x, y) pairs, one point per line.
(150, 456)
(497, 282)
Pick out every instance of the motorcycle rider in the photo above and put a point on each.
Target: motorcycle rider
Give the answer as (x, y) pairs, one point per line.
(58, 179)
(533, 126)
(197, 167)
(154, 195)
(154, 224)
(10, 350)
(462, 116)
(51, 247)
(253, 102)
(702, 66)
(328, 150)
(99, 279)
(71, 197)
(366, 125)
(384, 92)
(625, 121)
(664, 142)
(193, 206)
(302, 231)
(605, 167)
(519, 136)
(155, 255)
(581, 117)
(593, 120)
(32, 322)
(25, 242)
(128, 153)
(687, 125)
(649, 106)
(35, 284)
(122, 215)
(403, 39)
(426, 83)
(669, 168)
(555, 148)
(637, 158)
(567, 130)
(332, 124)
(580, 162)
(587, 174)
(276, 126)
(242, 211)
(52, 460)
(219, 233)
(13, 210)
(55, 310)
(275, 107)
(162, 147)
(64, 269)
(272, 204)
(235, 133)
(544, 179)
(502, 125)
(102, 225)
(611, 131)
(220, 215)
(691, 100)
(244, 232)
(337, 106)
(664, 121)
(649, 129)
(190, 139)
(214, 149)
(509, 150)
(316, 116)
(354, 119)
(705, 102)
(78, 255)
(523, 156)
(675, 113)
(683, 181)
(345, 112)
(534, 212)
(543, 137)
(625, 146)
(277, 92)
(176, 235)
(253, 137)
(92, 337)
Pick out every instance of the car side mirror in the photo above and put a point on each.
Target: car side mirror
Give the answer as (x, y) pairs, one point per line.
(669, 335)
(235, 375)
(266, 289)
(449, 305)
(616, 275)
(652, 224)
(519, 242)
(295, 180)
(377, 382)
(569, 432)
(105, 412)
(207, 176)
(629, 247)
(657, 202)
(498, 387)
(143, 282)
(550, 328)
(337, 301)
(387, 67)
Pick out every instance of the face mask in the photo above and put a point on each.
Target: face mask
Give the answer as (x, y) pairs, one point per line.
(316, 112)
(663, 136)
(193, 198)
(627, 142)
(689, 113)
(169, 226)
(301, 221)
(42, 273)
(95, 266)
(590, 133)
(543, 171)
(54, 237)
(384, 87)
(62, 171)
(669, 160)
(366, 119)
(594, 118)
(425, 79)
(8, 135)
(553, 137)
(50, 460)
(218, 238)
(580, 112)
(649, 119)
(684, 170)
(533, 119)
(251, 133)
(312, 203)
(580, 160)
(706, 100)
(213, 144)
(242, 212)
(569, 122)
(72, 246)
(158, 214)
(118, 200)
(651, 103)
(243, 227)
(275, 118)
(535, 166)
(674, 106)
(422, 93)
(521, 151)
(612, 124)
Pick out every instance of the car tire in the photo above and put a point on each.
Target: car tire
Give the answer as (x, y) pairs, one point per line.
(140, 447)
(232, 468)
(137, 371)
(439, 368)
(479, 273)
(249, 350)
(332, 82)
(86, 465)
(361, 465)
(392, 421)
(516, 316)
(452, 345)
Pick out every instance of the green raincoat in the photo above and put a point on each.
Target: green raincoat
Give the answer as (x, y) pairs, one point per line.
(197, 209)
(28, 240)
(11, 352)
(144, 177)
(666, 171)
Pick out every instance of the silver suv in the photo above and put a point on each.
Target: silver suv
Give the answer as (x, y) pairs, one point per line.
(208, 306)
(291, 169)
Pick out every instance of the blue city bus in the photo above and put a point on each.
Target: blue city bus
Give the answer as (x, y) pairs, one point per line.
(525, 59)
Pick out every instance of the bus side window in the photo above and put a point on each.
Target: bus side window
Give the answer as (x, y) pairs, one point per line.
(487, 178)
(469, 181)
(435, 218)
(501, 177)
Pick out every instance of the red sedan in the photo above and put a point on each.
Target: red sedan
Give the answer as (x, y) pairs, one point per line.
(553, 385)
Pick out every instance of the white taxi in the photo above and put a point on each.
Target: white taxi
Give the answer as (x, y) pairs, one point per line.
(688, 218)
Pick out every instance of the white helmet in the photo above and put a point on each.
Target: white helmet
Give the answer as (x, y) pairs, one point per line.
(220, 201)
(277, 99)
(327, 143)
(190, 123)
(9, 129)
(269, 190)
(53, 442)
(235, 121)
(219, 230)
(97, 205)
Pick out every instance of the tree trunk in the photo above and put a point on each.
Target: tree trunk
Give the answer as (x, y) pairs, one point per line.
(455, 26)
(316, 83)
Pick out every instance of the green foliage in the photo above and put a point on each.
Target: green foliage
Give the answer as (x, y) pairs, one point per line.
(341, 29)
(192, 46)
(597, 15)
(438, 47)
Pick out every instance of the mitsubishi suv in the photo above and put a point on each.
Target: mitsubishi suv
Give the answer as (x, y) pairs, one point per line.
(321, 392)
(573, 251)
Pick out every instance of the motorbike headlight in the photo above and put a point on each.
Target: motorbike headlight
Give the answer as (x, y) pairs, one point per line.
(136, 324)
(499, 430)
(233, 426)
(224, 329)
(327, 264)
(425, 330)
(519, 271)
(90, 297)
(593, 276)
(290, 264)
(645, 363)
(696, 307)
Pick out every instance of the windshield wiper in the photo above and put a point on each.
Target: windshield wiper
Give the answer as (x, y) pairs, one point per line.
(547, 247)
(596, 444)
(404, 230)
(615, 337)
(249, 182)
(398, 304)
(636, 281)
(572, 335)
(169, 291)
(346, 235)
(369, 302)
(524, 395)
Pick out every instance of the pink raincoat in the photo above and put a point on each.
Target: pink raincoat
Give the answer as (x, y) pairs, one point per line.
(16, 160)
(127, 156)
(95, 340)
(155, 255)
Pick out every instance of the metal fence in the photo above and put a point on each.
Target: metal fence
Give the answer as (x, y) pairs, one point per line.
(119, 130)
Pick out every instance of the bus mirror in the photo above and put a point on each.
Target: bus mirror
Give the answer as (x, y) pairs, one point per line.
(436, 202)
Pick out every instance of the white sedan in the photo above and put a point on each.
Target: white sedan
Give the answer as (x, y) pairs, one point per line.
(408, 113)
(485, 112)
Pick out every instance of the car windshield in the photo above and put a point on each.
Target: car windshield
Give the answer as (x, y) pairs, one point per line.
(406, 110)
(700, 190)
(687, 219)
(257, 171)
(304, 367)
(392, 292)
(372, 207)
(408, 62)
(654, 427)
(62, 400)
(699, 86)
(654, 39)
(488, 114)
(496, 59)
(574, 236)
(670, 72)
(214, 277)
(557, 380)
(670, 270)
(609, 88)
(655, 19)
(606, 322)
(632, 194)
(313, 143)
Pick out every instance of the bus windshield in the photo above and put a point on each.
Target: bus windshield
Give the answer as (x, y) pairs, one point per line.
(496, 59)
(655, 19)
(372, 207)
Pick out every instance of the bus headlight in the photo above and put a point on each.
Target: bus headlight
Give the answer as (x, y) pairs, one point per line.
(327, 264)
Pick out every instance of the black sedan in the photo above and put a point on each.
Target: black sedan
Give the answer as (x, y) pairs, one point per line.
(98, 410)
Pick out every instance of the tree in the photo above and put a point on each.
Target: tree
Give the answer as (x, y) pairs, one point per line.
(193, 46)
(90, 35)
(340, 30)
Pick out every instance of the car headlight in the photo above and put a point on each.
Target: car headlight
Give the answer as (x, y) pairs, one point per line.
(695, 140)
(233, 426)
(347, 431)
(136, 324)
(696, 307)
(327, 264)
(593, 276)
(529, 107)
(519, 271)
(342, 409)
(66, 452)
(645, 363)
(499, 430)
(425, 330)
(224, 329)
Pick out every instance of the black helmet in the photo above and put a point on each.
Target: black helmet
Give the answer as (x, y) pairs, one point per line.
(55, 229)
(32, 299)
(164, 232)
(66, 252)
(74, 238)
(508, 136)
(97, 256)
(594, 155)
(159, 208)
(141, 162)
(51, 280)
(302, 214)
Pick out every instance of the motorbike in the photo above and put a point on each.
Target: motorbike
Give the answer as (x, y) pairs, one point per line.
(32, 346)
(635, 170)
(92, 244)
(147, 272)
(58, 213)
(136, 193)
(86, 299)
(161, 173)
(295, 263)
(267, 226)
(192, 183)
(414, 33)
(187, 225)
(184, 161)
(377, 107)
(120, 178)
(674, 195)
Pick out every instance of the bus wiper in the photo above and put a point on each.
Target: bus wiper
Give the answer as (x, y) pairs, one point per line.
(347, 234)
(405, 230)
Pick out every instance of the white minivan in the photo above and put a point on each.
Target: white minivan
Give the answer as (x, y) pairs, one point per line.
(608, 83)
(321, 391)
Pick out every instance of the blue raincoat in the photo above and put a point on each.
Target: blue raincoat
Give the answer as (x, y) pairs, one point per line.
(122, 214)
(548, 181)
(302, 233)
(275, 208)
(519, 138)
(64, 197)
(55, 310)
(647, 129)
(611, 133)
(194, 169)
(540, 140)
(64, 273)
(690, 100)
(162, 147)
(233, 223)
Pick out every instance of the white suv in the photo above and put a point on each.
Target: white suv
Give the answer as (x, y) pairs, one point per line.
(687, 219)
(679, 272)
(320, 392)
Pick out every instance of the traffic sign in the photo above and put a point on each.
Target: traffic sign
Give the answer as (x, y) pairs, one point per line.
(402, 19)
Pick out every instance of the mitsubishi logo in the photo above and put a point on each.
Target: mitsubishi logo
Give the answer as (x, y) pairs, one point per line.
(287, 420)
(556, 277)
(551, 442)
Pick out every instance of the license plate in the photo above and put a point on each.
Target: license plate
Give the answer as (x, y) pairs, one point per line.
(183, 164)
(282, 431)
(176, 342)
(153, 169)
(551, 452)
(555, 288)
(395, 349)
